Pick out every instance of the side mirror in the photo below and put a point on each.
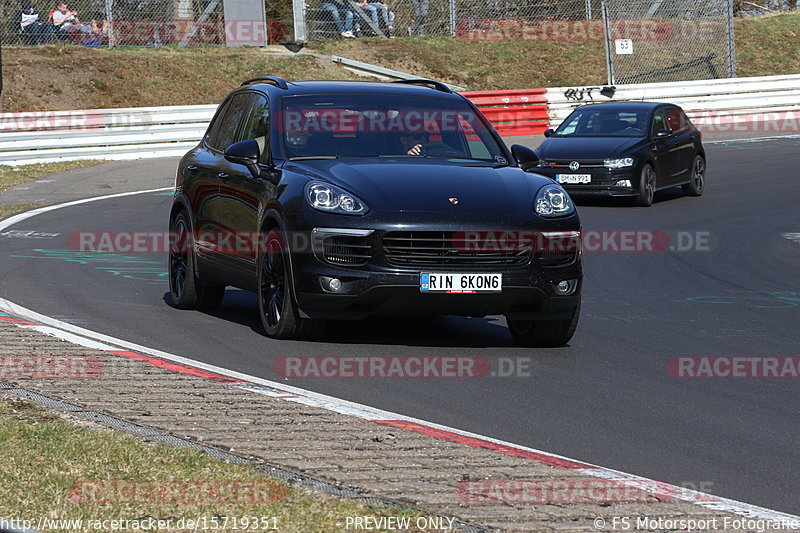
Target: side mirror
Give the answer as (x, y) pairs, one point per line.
(248, 153)
(526, 158)
(663, 133)
(245, 153)
(548, 132)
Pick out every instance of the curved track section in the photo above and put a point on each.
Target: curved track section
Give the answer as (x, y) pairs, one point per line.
(727, 283)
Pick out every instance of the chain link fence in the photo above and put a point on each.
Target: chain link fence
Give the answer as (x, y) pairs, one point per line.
(652, 41)
(327, 19)
(748, 8)
(98, 23)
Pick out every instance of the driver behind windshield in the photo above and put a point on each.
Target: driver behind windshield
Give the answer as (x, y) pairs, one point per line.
(419, 143)
(603, 123)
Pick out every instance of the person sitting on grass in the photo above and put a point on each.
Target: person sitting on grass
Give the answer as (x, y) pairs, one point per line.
(66, 22)
(372, 7)
(337, 9)
(32, 27)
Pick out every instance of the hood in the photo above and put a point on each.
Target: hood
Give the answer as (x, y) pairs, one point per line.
(421, 184)
(585, 148)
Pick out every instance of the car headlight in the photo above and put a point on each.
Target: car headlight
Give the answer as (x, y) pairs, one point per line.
(553, 201)
(619, 163)
(332, 199)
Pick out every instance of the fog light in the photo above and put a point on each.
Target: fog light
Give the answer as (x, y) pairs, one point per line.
(565, 287)
(623, 183)
(330, 284)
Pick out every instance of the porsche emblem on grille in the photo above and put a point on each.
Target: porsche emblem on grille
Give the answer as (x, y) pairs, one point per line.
(574, 165)
(453, 200)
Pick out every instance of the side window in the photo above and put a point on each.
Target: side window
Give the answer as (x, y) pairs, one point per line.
(229, 120)
(660, 121)
(674, 121)
(686, 122)
(256, 125)
(213, 128)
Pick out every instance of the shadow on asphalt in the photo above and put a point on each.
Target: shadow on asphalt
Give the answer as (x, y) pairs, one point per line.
(664, 195)
(241, 307)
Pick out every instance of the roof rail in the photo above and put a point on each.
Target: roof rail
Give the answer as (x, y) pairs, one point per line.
(439, 86)
(275, 80)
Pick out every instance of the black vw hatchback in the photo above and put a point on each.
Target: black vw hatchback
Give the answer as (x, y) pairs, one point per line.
(625, 149)
(342, 200)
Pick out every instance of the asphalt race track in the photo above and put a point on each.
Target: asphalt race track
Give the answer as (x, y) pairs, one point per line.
(607, 399)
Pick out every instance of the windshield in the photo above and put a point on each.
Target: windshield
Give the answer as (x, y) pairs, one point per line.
(377, 125)
(599, 122)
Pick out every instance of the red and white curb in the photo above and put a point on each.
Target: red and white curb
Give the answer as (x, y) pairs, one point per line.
(28, 319)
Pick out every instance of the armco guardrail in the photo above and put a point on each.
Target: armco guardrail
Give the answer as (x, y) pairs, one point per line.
(769, 103)
(132, 133)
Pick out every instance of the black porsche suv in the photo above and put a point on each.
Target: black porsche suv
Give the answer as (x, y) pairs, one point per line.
(341, 200)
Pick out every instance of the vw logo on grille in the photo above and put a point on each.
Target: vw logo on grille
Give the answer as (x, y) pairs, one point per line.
(574, 165)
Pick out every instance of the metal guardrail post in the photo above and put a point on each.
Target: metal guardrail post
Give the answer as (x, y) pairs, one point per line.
(299, 15)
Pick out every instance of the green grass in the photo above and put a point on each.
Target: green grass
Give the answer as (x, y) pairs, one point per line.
(8, 210)
(768, 45)
(483, 65)
(43, 457)
(73, 77)
(12, 176)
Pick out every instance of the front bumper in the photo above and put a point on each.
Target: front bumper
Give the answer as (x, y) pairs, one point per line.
(378, 289)
(604, 181)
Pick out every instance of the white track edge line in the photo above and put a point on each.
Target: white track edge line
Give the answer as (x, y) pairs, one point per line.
(10, 221)
(365, 412)
(754, 139)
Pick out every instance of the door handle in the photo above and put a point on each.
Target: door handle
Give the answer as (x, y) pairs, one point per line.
(223, 176)
(192, 168)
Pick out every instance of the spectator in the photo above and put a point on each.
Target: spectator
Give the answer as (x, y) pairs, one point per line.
(420, 12)
(337, 8)
(66, 22)
(34, 29)
(372, 7)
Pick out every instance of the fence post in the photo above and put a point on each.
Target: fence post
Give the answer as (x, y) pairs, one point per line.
(731, 43)
(607, 32)
(588, 9)
(112, 41)
(453, 18)
(299, 11)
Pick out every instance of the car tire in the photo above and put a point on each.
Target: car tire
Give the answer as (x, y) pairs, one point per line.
(276, 304)
(698, 183)
(186, 291)
(647, 186)
(544, 333)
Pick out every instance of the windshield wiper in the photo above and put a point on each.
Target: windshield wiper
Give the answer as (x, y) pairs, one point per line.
(310, 157)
